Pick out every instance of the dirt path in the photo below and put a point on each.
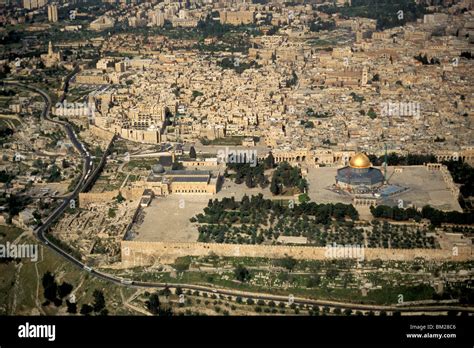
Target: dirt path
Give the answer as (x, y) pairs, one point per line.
(15, 287)
(126, 303)
(37, 300)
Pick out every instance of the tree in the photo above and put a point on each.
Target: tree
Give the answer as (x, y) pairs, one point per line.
(287, 262)
(111, 213)
(99, 300)
(71, 307)
(303, 198)
(274, 187)
(38, 163)
(86, 309)
(302, 185)
(119, 198)
(241, 273)
(293, 80)
(166, 291)
(65, 164)
(332, 273)
(64, 289)
(50, 287)
(153, 304)
(249, 181)
(182, 264)
(269, 162)
(177, 166)
(287, 176)
(372, 113)
(192, 153)
(155, 307)
(54, 174)
(104, 312)
(313, 281)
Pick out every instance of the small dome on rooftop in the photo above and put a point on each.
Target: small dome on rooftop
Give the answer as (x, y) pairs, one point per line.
(158, 169)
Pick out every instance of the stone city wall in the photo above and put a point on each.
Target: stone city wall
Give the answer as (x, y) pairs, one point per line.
(101, 133)
(132, 193)
(86, 198)
(136, 253)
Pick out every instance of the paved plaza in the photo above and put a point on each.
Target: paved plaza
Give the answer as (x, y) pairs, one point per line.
(424, 187)
(167, 218)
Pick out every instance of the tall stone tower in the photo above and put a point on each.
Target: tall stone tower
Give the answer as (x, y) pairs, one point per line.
(364, 77)
(53, 13)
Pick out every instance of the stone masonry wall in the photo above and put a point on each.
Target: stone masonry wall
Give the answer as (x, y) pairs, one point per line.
(136, 253)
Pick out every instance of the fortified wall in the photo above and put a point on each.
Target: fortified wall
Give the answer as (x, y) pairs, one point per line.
(101, 133)
(86, 198)
(136, 253)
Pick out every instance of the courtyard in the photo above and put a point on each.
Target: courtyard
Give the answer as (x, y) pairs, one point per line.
(168, 218)
(424, 187)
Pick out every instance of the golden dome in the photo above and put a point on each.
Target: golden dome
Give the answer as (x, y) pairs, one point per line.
(360, 161)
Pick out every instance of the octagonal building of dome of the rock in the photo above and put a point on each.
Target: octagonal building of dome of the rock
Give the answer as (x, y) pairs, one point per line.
(359, 175)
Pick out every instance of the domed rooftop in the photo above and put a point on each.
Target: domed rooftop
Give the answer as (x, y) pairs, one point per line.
(158, 169)
(360, 161)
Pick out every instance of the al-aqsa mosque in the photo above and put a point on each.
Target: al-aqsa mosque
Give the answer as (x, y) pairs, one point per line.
(359, 175)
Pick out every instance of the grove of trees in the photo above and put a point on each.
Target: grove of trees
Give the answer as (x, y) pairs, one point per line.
(436, 217)
(254, 220)
(287, 176)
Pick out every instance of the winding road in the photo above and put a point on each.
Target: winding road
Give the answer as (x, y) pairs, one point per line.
(41, 235)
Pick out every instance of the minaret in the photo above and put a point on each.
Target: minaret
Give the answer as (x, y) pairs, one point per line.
(364, 77)
(50, 49)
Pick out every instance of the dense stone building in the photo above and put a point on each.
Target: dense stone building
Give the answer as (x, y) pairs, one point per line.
(237, 17)
(164, 182)
(51, 58)
(102, 23)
